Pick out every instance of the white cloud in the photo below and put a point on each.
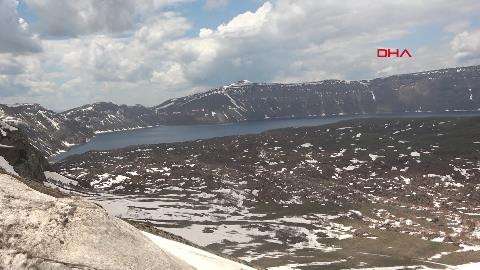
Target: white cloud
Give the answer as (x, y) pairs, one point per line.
(246, 24)
(457, 26)
(10, 65)
(467, 47)
(156, 57)
(15, 36)
(290, 40)
(107, 59)
(76, 18)
(214, 4)
(9, 87)
(154, 5)
(162, 28)
(173, 75)
(73, 18)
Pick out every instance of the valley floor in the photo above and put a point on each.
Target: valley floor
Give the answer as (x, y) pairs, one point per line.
(358, 194)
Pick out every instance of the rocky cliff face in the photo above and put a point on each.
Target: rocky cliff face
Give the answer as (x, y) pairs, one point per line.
(47, 131)
(435, 91)
(17, 151)
(103, 116)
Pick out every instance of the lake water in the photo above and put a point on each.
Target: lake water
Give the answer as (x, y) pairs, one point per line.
(181, 133)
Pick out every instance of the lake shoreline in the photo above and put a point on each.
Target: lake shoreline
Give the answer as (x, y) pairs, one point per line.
(83, 148)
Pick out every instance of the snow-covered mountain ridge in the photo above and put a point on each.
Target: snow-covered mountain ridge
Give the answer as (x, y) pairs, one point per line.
(433, 91)
(454, 89)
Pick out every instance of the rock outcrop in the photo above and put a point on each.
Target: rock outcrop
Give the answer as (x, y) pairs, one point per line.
(106, 116)
(15, 148)
(47, 130)
(38, 231)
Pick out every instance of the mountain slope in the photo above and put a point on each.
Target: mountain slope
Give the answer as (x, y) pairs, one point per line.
(104, 117)
(435, 91)
(455, 89)
(48, 131)
(16, 150)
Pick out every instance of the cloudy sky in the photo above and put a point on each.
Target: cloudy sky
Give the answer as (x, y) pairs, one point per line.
(65, 53)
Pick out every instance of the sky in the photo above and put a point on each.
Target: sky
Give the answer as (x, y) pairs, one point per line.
(64, 54)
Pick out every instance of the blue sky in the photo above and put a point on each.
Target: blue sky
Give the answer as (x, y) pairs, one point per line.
(68, 53)
(25, 12)
(211, 18)
(198, 14)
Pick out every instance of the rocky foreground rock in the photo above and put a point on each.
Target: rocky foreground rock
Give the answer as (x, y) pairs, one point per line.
(38, 231)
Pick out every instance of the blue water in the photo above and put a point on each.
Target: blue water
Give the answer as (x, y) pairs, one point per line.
(169, 134)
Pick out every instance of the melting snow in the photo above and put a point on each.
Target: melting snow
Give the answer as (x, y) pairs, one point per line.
(438, 239)
(6, 127)
(5, 146)
(294, 266)
(339, 154)
(374, 157)
(414, 154)
(7, 167)
(406, 180)
(67, 144)
(199, 259)
(60, 179)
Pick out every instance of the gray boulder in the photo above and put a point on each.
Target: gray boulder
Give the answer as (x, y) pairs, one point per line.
(38, 231)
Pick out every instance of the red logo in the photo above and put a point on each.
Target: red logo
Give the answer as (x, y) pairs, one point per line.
(387, 53)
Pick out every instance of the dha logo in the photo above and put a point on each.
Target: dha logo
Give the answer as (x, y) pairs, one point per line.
(388, 53)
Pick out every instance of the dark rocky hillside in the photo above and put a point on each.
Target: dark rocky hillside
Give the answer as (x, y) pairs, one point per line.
(106, 116)
(17, 151)
(433, 91)
(47, 131)
(455, 89)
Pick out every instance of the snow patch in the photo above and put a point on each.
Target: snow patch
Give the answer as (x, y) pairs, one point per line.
(4, 127)
(415, 154)
(374, 157)
(6, 146)
(60, 179)
(7, 167)
(306, 145)
(339, 154)
(199, 259)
